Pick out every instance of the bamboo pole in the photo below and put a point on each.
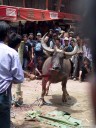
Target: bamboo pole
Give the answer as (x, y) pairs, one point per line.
(46, 4)
(59, 5)
(23, 3)
(2, 2)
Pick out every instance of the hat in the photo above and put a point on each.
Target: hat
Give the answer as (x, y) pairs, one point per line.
(66, 38)
(62, 31)
(71, 32)
(38, 34)
(74, 40)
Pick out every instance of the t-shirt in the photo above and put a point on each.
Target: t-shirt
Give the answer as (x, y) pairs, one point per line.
(31, 42)
(50, 43)
(38, 49)
(68, 49)
(27, 49)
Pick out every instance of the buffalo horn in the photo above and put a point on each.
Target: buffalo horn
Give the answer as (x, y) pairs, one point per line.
(45, 47)
(73, 52)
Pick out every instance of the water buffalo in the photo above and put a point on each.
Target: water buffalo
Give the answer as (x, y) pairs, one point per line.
(56, 68)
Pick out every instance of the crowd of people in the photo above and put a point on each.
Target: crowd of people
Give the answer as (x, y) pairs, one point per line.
(34, 55)
(33, 58)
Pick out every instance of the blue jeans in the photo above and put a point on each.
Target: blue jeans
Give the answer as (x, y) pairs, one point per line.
(25, 63)
(5, 104)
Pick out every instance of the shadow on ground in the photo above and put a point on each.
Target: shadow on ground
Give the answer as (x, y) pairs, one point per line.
(56, 101)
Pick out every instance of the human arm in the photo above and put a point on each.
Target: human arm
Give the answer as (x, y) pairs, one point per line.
(16, 70)
(31, 76)
(32, 52)
(46, 39)
(62, 34)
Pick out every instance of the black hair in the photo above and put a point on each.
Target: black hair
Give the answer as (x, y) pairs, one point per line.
(14, 40)
(25, 35)
(4, 29)
(30, 34)
(57, 39)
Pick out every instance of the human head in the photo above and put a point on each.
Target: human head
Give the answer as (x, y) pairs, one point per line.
(51, 31)
(31, 36)
(25, 37)
(57, 31)
(78, 40)
(39, 36)
(57, 41)
(77, 37)
(66, 34)
(73, 42)
(14, 41)
(71, 34)
(66, 40)
(4, 31)
(55, 35)
(86, 61)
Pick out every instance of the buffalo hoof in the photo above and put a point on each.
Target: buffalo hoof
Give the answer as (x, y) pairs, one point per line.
(64, 99)
(46, 94)
(68, 97)
(47, 103)
(43, 102)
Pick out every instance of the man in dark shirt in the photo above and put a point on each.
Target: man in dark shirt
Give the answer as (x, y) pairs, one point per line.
(30, 39)
(27, 52)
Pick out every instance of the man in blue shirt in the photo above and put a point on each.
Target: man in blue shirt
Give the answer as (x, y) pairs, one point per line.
(67, 46)
(10, 72)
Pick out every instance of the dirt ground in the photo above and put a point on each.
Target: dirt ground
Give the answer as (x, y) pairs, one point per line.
(79, 106)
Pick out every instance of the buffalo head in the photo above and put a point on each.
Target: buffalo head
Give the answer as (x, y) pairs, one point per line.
(58, 54)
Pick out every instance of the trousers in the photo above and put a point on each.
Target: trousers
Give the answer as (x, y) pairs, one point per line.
(5, 105)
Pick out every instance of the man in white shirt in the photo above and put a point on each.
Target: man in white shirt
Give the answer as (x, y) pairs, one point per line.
(10, 72)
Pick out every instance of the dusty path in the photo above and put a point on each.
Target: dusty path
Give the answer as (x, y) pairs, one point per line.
(79, 106)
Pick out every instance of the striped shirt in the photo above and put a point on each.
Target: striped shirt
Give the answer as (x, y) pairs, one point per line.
(10, 67)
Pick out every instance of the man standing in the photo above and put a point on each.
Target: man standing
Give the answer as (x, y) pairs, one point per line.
(67, 46)
(10, 72)
(26, 52)
(38, 50)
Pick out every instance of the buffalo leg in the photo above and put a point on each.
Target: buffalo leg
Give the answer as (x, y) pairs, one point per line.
(47, 88)
(44, 82)
(65, 93)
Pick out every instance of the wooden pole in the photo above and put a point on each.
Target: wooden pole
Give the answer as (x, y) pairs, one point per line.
(59, 5)
(46, 4)
(2, 2)
(23, 3)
